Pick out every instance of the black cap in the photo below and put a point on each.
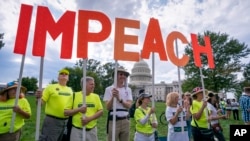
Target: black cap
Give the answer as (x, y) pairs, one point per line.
(141, 91)
(144, 95)
(210, 94)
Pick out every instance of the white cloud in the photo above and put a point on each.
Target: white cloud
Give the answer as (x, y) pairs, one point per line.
(186, 16)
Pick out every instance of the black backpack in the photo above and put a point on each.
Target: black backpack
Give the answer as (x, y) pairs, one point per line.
(132, 110)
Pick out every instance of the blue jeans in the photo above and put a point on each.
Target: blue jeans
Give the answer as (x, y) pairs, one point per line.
(189, 128)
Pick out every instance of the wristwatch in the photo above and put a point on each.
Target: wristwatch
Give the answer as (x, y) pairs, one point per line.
(121, 101)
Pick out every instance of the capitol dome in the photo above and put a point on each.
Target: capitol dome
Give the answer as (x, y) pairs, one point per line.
(140, 73)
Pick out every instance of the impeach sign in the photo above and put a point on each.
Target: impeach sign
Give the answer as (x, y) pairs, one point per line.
(153, 41)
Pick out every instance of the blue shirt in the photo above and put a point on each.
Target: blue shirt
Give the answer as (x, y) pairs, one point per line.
(245, 105)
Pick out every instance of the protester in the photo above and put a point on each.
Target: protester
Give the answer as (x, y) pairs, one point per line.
(217, 103)
(176, 117)
(199, 115)
(215, 116)
(145, 119)
(222, 104)
(7, 107)
(123, 95)
(135, 104)
(186, 105)
(228, 108)
(55, 96)
(235, 109)
(245, 105)
(93, 110)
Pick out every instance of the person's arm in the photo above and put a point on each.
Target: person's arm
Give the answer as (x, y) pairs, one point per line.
(145, 119)
(24, 114)
(127, 104)
(109, 103)
(174, 119)
(197, 115)
(71, 112)
(86, 120)
(39, 95)
(217, 117)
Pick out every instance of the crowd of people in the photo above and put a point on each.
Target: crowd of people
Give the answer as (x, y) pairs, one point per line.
(193, 116)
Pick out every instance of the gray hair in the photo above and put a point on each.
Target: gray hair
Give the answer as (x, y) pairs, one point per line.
(88, 78)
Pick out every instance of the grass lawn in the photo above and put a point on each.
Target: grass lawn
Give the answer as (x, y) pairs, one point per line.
(29, 130)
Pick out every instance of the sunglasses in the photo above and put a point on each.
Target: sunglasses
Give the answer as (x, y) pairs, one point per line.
(63, 74)
(124, 74)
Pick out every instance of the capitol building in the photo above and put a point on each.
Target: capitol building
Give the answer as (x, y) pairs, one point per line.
(141, 78)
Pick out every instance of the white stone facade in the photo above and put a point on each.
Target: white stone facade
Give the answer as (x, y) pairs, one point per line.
(141, 78)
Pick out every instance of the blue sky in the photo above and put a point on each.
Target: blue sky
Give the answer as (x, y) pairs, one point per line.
(186, 16)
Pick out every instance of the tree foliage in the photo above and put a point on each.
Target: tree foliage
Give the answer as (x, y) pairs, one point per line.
(246, 75)
(30, 83)
(101, 73)
(227, 52)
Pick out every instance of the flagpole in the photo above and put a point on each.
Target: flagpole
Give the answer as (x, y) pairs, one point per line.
(179, 84)
(153, 88)
(17, 94)
(153, 80)
(204, 94)
(39, 102)
(114, 104)
(84, 96)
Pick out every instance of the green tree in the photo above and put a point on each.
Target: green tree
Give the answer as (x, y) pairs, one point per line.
(103, 75)
(30, 83)
(92, 65)
(227, 52)
(108, 72)
(1, 40)
(246, 75)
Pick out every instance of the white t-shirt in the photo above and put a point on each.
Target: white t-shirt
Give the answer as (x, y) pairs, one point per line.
(213, 113)
(235, 105)
(175, 132)
(125, 94)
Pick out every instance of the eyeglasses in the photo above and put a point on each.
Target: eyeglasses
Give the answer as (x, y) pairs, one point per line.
(11, 84)
(122, 74)
(63, 73)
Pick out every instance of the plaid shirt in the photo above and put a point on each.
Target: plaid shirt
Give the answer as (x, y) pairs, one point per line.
(245, 106)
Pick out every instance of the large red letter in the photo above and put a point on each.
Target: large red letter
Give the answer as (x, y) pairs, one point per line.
(45, 22)
(170, 49)
(23, 29)
(153, 41)
(84, 36)
(121, 39)
(198, 50)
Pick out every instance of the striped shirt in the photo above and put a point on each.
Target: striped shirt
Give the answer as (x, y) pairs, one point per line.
(245, 106)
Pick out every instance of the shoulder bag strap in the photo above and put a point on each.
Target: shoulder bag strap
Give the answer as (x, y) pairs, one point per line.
(73, 99)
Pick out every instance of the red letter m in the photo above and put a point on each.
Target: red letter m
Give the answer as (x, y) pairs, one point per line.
(45, 22)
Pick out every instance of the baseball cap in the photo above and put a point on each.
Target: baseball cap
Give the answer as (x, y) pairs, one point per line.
(64, 71)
